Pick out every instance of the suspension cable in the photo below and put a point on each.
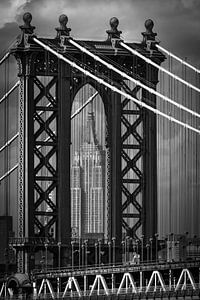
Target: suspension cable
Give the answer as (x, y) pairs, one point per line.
(8, 172)
(4, 57)
(72, 116)
(10, 91)
(9, 142)
(84, 105)
(178, 59)
(113, 88)
(159, 67)
(152, 91)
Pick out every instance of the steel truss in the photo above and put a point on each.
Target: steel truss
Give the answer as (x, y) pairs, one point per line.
(132, 207)
(119, 280)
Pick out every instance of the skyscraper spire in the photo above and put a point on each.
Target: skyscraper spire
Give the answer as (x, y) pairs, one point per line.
(90, 134)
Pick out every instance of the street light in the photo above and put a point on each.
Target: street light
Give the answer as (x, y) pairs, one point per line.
(86, 244)
(96, 256)
(79, 252)
(127, 248)
(99, 241)
(82, 246)
(156, 237)
(123, 250)
(72, 243)
(137, 245)
(113, 242)
(147, 246)
(109, 252)
(59, 246)
(46, 253)
(151, 248)
(58, 279)
(142, 248)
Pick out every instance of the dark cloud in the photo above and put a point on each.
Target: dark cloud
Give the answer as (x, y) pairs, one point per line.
(177, 22)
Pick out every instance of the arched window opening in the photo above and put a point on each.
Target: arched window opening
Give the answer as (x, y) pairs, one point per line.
(89, 201)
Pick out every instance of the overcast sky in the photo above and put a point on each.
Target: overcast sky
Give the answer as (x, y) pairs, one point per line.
(177, 22)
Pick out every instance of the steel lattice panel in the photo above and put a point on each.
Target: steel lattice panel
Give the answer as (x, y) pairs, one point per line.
(45, 156)
(132, 168)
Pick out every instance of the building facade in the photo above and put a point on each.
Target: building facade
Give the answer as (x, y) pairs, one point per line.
(88, 186)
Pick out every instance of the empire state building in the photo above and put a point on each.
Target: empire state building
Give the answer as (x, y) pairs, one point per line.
(88, 185)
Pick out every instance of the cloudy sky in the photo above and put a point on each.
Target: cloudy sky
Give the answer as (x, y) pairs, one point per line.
(177, 22)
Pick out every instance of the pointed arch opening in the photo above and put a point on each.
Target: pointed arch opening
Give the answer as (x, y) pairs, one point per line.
(89, 196)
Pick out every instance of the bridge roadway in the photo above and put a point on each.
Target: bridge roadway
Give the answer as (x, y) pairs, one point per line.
(115, 269)
(170, 280)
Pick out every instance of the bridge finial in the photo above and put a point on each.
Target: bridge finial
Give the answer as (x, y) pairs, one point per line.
(149, 35)
(27, 28)
(113, 33)
(63, 30)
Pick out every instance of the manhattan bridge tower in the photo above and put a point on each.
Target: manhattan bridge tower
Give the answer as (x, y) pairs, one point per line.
(112, 191)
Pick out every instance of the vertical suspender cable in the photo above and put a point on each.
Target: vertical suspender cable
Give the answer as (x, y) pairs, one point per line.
(170, 156)
(185, 158)
(7, 179)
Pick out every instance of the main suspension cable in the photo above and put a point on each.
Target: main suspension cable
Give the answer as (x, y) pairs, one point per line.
(149, 61)
(9, 142)
(10, 91)
(124, 75)
(84, 105)
(4, 57)
(178, 59)
(113, 88)
(8, 172)
(72, 116)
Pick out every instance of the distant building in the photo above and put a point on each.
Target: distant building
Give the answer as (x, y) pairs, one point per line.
(180, 248)
(7, 255)
(88, 186)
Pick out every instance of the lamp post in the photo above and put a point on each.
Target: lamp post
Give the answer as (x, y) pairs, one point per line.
(99, 241)
(151, 248)
(82, 246)
(156, 237)
(58, 279)
(113, 243)
(123, 251)
(59, 248)
(72, 243)
(147, 246)
(109, 252)
(137, 246)
(96, 253)
(79, 252)
(86, 244)
(46, 253)
(127, 248)
(142, 248)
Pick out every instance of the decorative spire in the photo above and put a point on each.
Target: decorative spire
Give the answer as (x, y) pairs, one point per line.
(27, 28)
(148, 35)
(113, 32)
(63, 30)
(90, 136)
